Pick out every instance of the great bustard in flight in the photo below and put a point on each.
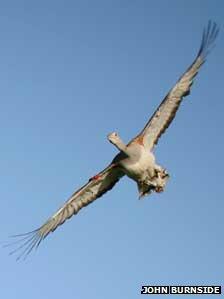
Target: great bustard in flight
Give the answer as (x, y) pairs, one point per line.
(136, 159)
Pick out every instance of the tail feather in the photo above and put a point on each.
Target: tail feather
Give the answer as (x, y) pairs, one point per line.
(145, 189)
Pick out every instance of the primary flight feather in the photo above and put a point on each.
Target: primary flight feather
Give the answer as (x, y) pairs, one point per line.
(135, 159)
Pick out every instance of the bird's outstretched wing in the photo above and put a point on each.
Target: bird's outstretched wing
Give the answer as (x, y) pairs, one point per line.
(166, 112)
(96, 187)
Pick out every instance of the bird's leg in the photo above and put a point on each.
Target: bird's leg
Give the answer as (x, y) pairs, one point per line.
(158, 169)
(161, 173)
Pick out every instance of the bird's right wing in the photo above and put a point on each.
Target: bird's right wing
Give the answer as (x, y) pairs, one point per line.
(96, 187)
(166, 112)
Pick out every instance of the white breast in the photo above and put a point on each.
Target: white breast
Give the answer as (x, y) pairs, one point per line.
(145, 164)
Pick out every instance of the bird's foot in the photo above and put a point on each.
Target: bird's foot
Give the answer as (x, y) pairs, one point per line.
(156, 183)
(161, 173)
(146, 187)
(161, 180)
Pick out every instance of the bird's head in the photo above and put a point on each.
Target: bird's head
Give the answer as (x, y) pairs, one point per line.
(113, 138)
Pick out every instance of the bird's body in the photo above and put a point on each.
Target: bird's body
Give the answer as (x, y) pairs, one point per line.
(136, 159)
(140, 165)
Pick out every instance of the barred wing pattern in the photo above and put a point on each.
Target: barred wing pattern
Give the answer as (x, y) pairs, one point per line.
(166, 112)
(96, 187)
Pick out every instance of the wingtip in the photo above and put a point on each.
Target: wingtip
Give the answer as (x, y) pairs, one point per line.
(209, 36)
(24, 244)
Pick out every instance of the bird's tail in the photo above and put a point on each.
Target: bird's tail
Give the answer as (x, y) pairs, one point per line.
(145, 189)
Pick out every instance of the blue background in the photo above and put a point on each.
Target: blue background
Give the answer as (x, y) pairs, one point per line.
(71, 72)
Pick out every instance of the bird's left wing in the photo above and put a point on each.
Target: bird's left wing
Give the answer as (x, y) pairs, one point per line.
(166, 112)
(96, 187)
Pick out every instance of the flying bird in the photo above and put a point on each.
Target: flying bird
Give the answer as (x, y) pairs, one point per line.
(135, 159)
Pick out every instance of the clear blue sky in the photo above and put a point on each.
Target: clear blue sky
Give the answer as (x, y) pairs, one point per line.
(71, 72)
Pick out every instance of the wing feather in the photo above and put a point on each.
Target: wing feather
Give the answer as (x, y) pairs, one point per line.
(95, 188)
(166, 112)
